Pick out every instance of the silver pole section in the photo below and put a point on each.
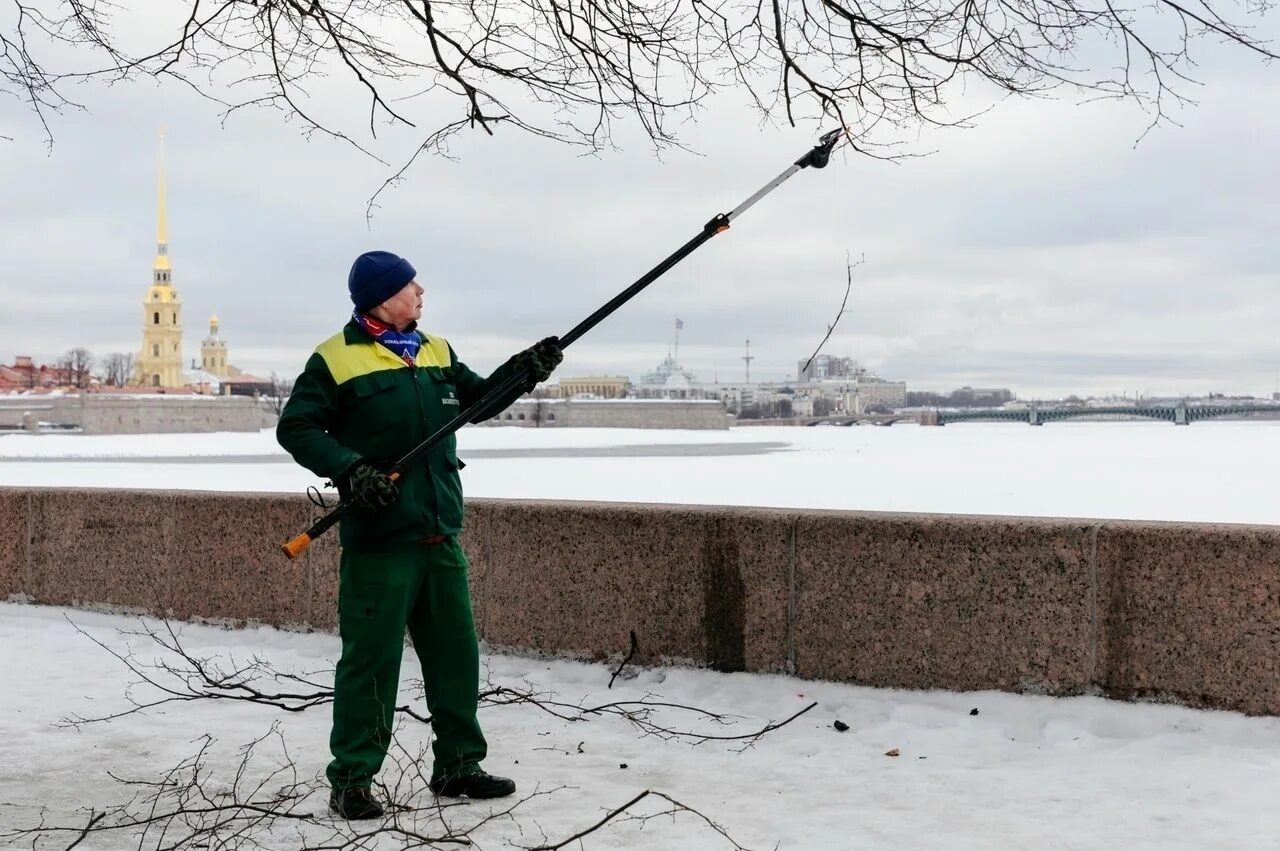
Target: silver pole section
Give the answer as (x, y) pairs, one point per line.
(763, 191)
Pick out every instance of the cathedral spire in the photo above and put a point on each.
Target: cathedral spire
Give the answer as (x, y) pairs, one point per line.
(161, 267)
(160, 360)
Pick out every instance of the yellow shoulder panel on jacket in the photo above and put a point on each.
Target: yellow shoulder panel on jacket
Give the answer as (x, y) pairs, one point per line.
(434, 352)
(346, 362)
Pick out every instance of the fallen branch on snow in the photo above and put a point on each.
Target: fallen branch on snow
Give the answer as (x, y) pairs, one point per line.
(187, 677)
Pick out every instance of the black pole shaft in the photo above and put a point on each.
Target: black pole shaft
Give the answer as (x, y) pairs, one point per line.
(480, 410)
(483, 408)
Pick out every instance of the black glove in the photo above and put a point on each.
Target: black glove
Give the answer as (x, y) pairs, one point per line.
(539, 360)
(370, 488)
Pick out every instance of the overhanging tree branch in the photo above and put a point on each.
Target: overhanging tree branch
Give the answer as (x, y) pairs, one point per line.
(570, 70)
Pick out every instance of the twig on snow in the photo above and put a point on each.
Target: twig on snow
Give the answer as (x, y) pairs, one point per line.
(635, 645)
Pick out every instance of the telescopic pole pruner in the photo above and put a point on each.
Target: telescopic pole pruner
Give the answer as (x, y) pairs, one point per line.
(486, 406)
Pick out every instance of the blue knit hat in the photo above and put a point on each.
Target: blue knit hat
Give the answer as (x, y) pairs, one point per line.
(376, 276)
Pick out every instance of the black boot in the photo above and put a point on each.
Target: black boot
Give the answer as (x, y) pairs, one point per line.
(477, 785)
(355, 803)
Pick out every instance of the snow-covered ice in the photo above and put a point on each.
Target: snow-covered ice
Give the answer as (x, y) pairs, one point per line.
(1209, 471)
(1026, 772)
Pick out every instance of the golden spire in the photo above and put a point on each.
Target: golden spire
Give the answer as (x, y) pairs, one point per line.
(162, 222)
(213, 325)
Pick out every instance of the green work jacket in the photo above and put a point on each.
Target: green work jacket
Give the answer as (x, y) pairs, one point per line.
(356, 400)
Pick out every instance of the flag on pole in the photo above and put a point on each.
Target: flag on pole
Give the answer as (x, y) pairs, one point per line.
(679, 324)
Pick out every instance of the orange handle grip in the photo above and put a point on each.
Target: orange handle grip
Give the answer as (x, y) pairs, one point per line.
(295, 548)
(298, 545)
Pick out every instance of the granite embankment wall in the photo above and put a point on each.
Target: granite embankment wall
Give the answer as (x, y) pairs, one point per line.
(112, 414)
(1180, 611)
(614, 413)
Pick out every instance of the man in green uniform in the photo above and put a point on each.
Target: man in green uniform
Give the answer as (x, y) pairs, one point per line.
(367, 396)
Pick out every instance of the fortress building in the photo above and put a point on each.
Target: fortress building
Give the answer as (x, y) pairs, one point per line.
(213, 352)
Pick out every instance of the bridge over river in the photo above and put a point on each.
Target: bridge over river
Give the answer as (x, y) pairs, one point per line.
(1179, 414)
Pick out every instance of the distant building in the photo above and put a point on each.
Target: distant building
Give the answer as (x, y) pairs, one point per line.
(20, 375)
(803, 406)
(670, 380)
(160, 359)
(735, 396)
(202, 382)
(24, 375)
(827, 366)
(213, 352)
(965, 397)
(246, 385)
(595, 386)
(841, 385)
(982, 397)
(878, 394)
(854, 395)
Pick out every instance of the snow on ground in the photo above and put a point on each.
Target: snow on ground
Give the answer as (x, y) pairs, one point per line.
(1210, 471)
(1026, 772)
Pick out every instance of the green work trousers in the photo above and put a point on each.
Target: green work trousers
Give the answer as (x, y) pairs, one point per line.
(423, 587)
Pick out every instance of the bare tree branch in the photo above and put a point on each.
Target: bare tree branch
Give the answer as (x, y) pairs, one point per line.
(570, 70)
(78, 366)
(117, 369)
(839, 313)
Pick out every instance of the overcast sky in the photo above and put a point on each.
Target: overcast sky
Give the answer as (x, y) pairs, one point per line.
(1041, 251)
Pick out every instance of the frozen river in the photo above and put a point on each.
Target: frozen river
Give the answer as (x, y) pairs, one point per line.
(1211, 471)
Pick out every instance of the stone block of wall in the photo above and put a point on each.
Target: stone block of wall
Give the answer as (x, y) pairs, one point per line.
(165, 414)
(1191, 613)
(475, 544)
(615, 413)
(934, 601)
(322, 559)
(103, 547)
(641, 414)
(67, 411)
(13, 542)
(694, 584)
(16, 412)
(753, 550)
(227, 563)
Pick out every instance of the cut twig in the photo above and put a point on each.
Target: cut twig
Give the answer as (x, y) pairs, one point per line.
(676, 807)
(635, 645)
